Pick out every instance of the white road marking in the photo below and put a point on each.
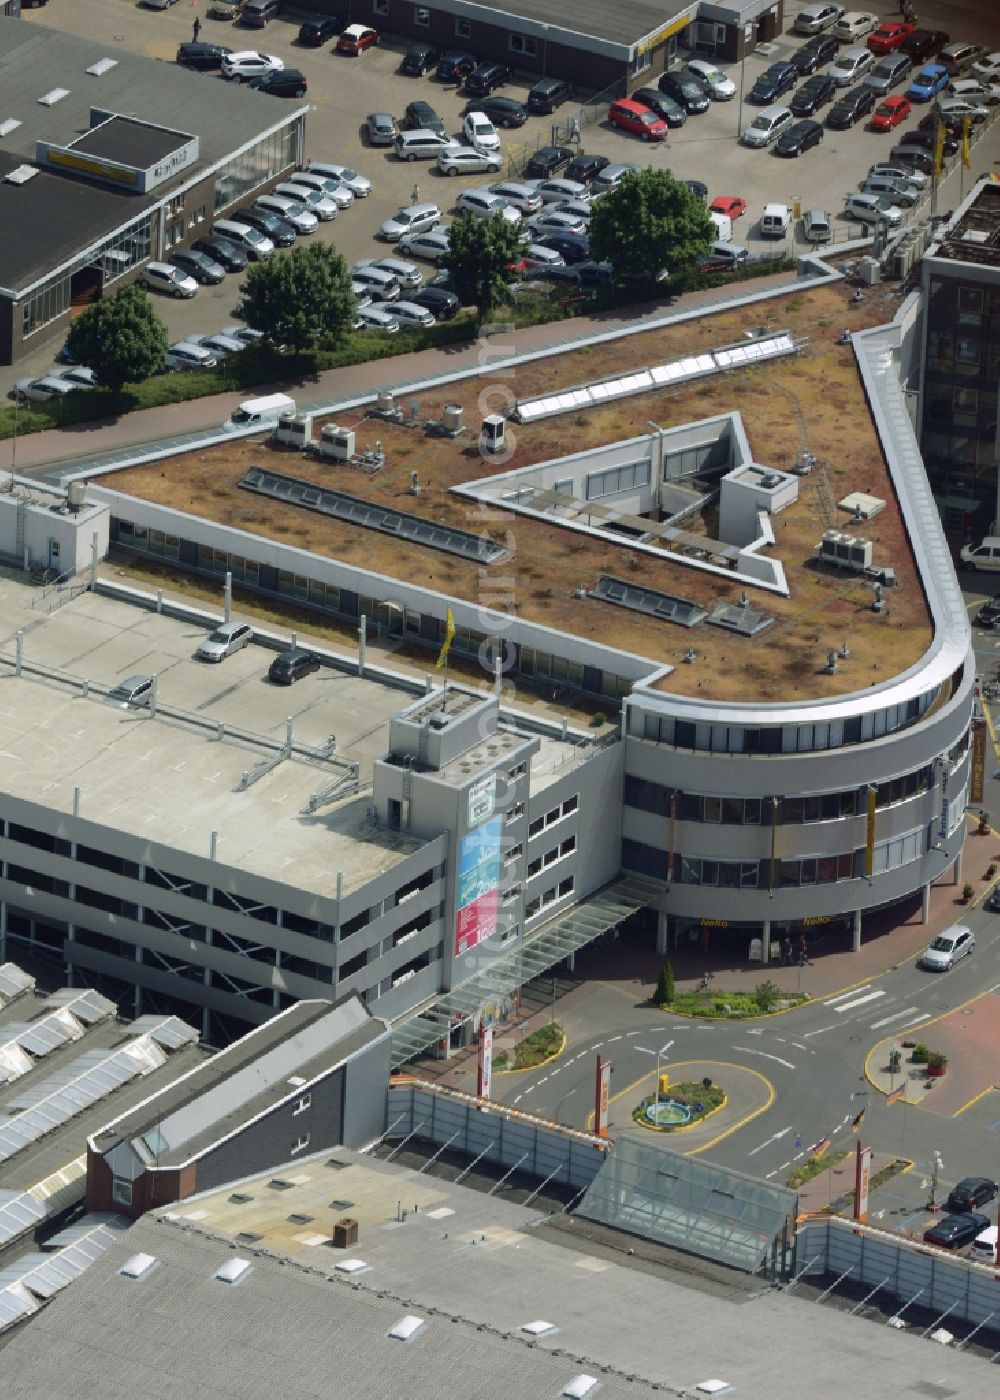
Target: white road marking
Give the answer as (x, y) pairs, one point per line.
(773, 1138)
(633, 1032)
(748, 1050)
(519, 1098)
(686, 1026)
(751, 1031)
(916, 1021)
(540, 1082)
(780, 1039)
(555, 1072)
(770, 1174)
(822, 1031)
(800, 1047)
(832, 1001)
(613, 1038)
(784, 1166)
(858, 1001)
(598, 1045)
(642, 1050)
(888, 1020)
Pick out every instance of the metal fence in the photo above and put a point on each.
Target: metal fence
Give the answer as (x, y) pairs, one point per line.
(568, 130)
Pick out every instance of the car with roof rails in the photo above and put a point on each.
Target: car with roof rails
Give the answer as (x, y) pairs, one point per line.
(164, 277)
(772, 83)
(851, 108)
(548, 94)
(486, 78)
(320, 29)
(815, 18)
(355, 39)
(850, 65)
(502, 111)
(203, 58)
(131, 693)
(686, 90)
(558, 190)
(407, 274)
(666, 107)
(520, 194)
(479, 131)
(418, 60)
(359, 185)
(484, 204)
(421, 116)
(890, 112)
(468, 160)
(923, 44)
(432, 244)
(412, 218)
(454, 65)
(814, 93)
(854, 25)
(325, 185)
(228, 637)
(718, 84)
(291, 666)
(585, 168)
(932, 79)
(244, 64)
(290, 82)
(890, 36)
(324, 206)
(814, 54)
(220, 250)
(199, 266)
(380, 128)
(547, 161)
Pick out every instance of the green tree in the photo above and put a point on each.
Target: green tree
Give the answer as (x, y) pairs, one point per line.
(302, 298)
(120, 337)
(650, 222)
(479, 251)
(665, 990)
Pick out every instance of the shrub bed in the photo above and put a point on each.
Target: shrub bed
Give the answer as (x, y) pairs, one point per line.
(534, 1050)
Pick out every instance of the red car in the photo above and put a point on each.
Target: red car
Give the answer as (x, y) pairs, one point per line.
(890, 112)
(889, 36)
(638, 120)
(356, 38)
(728, 204)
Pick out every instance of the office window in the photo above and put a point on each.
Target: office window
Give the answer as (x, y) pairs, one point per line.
(300, 1144)
(463, 29)
(121, 1191)
(302, 1104)
(523, 44)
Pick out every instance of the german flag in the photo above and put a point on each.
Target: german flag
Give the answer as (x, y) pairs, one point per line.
(821, 1148)
(896, 1094)
(856, 1122)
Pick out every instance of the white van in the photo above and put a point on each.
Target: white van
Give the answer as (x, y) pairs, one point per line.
(254, 244)
(264, 410)
(723, 226)
(774, 221)
(984, 1246)
(985, 555)
(767, 126)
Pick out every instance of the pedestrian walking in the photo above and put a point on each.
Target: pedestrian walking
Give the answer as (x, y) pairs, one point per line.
(415, 195)
(196, 28)
(574, 130)
(786, 953)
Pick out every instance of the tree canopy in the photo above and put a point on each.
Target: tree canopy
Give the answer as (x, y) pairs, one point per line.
(479, 252)
(302, 298)
(120, 337)
(650, 222)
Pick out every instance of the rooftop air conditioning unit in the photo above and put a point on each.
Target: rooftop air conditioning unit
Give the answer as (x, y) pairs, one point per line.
(845, 551)
(336, 442)
(294, 429)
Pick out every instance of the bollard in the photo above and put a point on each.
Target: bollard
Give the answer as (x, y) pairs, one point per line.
(19, 639)
(362, 639)
(159, 600)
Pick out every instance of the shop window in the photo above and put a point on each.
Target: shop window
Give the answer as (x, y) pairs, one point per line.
(523, 44)
(421, 17)
(463, 29)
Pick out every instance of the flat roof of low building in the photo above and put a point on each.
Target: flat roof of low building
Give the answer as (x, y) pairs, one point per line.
(972, 235)
(810, 401)
(131, 142)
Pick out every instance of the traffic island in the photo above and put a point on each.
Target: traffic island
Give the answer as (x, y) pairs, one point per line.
(536, 1049)
(712, 1004)
(679, 1106)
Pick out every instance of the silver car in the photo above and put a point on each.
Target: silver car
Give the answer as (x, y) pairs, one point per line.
(50, 386)
(359, 185)
(230, 637)
(376, 318)
(185, 354)
(469, 160)
(611, 176)
(321, 205)
(557, 190)
(523, 196)
(222, 344)
(324, 184)
(409, 314)
(164, 277)
(432, 245)
(407, 274)
(131, 693)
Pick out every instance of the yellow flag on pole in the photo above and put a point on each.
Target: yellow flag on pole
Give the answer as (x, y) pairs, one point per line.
(939, 148)
(966, 148)
(449, 632)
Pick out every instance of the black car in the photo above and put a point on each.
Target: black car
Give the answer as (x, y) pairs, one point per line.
(290, 666)
(255, 14)
(699, 189)
(221, 250)
(923, 44)
(502, 111)
(799, 137)
(908, 154)
(666, 107)
(926, 135)
(584, 168)
(820, 49)
(204, 57)
(686, 91)
(970, 1192)
(814, 93)
(955, 1231)
(546, 161)
(595, 274)
(421, 116)
(772, 83)
(288, 82)
(316, 31)
(279, 231)
(442, 304)
(455, 65)
(485, 78)
(418, 60)
(989, 613)
(199, 265)
(548, 94)
(575, 247)
(851, 107)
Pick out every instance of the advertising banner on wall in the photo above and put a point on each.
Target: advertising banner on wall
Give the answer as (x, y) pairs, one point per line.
(485, 1076)
(482, 799)
(977, 780)
(477, 899)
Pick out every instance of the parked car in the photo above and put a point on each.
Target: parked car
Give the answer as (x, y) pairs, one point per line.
(318, 30)
(290, 666)
(414, 218)
(926, 135)
(732, 205)
(815, 18)
(407, 274)
(442, 305)
(418, 60)
(186, 354)
(956, 1231)
(916, 157)
(931, 80)
(814, 53)
(547, 160)
(289, 82)
(890, 112)
(611, 176)
(923, 44)
(359, 185)
(970, 1192)
(486, 78)
(577, 208)
(230, 637)
(376, 318)
(484, 204)
(164, 277)
(556, 221)
(959, 58)
(872, 209)
(987, 68)
(224, 9)
(356, 38)
(281, 233)
(205, 58)
(522, 196)
(906, 173)
(855, 25)
(983, 92)
(636, 119)
(454, 65)
(538, 255)
(245, 64)
(816, 226)
(469, 160)
(324, 206)
(293, 211)
(379, 284)
(900, 192)
(954, 110)
(558, 190)
(943, 952)
(572, 247)
(586, 168)
(131, 693)
(222, 344)
(698, 188)
(420, 145)
(421, 116)
(802, 136)
(199, 266)
(221, 250)
(43, 389)
(412, 316)
(255, 14)
(686, 90)
(850, 65)
(772, 83)
(431, 245)
(502, 111)
(548, 94)
(851, 108)
(479, 131)
(767, 126)
(814, 93)
(666, 107)
(719, 86)
(80, 377)
(890, 35)
(889, 72)
(380, 128)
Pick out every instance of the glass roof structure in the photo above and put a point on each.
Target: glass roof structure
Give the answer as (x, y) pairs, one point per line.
(38, 1276)
(13, 981)
(689, 1204)
(540, 950)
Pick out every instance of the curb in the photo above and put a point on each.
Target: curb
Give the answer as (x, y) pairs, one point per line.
(740, 1020)
(532, 1069)
(923, 1025)
(680, 1127)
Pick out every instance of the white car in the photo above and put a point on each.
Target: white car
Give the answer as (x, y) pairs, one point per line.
(855, 25)
(362, 294)
(432, 245)
(221, 344)
(987, 69)
(557, 191)
(381, 285)
(982, 91)
(324, 184)
(246, 335)
(484, 204)
(415, 218)
(720, 86)
(50, 386)
(961, 107)
(164, 277)
(945, 950)
(230, 637)
(579, 208)
(469, 160)
(409, 314)
(554, 221)
(523, 196)
(79, 376)
(321, 205)
(293, 211)
(407, 274)
(480, 131)
(248, 63)
(359, 185)
(376, 318)
(185, 354)
(537, 255)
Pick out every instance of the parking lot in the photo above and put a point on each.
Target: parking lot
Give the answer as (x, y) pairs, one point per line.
(342, 91)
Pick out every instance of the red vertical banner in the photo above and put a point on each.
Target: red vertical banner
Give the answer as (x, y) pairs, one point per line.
(978, 775)
(484, 1077)
(602, 1097)
(862, 1174)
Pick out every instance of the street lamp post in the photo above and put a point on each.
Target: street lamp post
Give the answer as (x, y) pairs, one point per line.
(659, 1056)
(938, 1167)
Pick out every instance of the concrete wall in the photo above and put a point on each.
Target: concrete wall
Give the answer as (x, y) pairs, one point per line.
(54, 536)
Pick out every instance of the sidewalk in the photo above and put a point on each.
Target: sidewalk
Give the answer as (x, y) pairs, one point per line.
(969, 1036)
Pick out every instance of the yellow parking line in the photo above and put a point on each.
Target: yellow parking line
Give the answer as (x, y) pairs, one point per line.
(975, 1099)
